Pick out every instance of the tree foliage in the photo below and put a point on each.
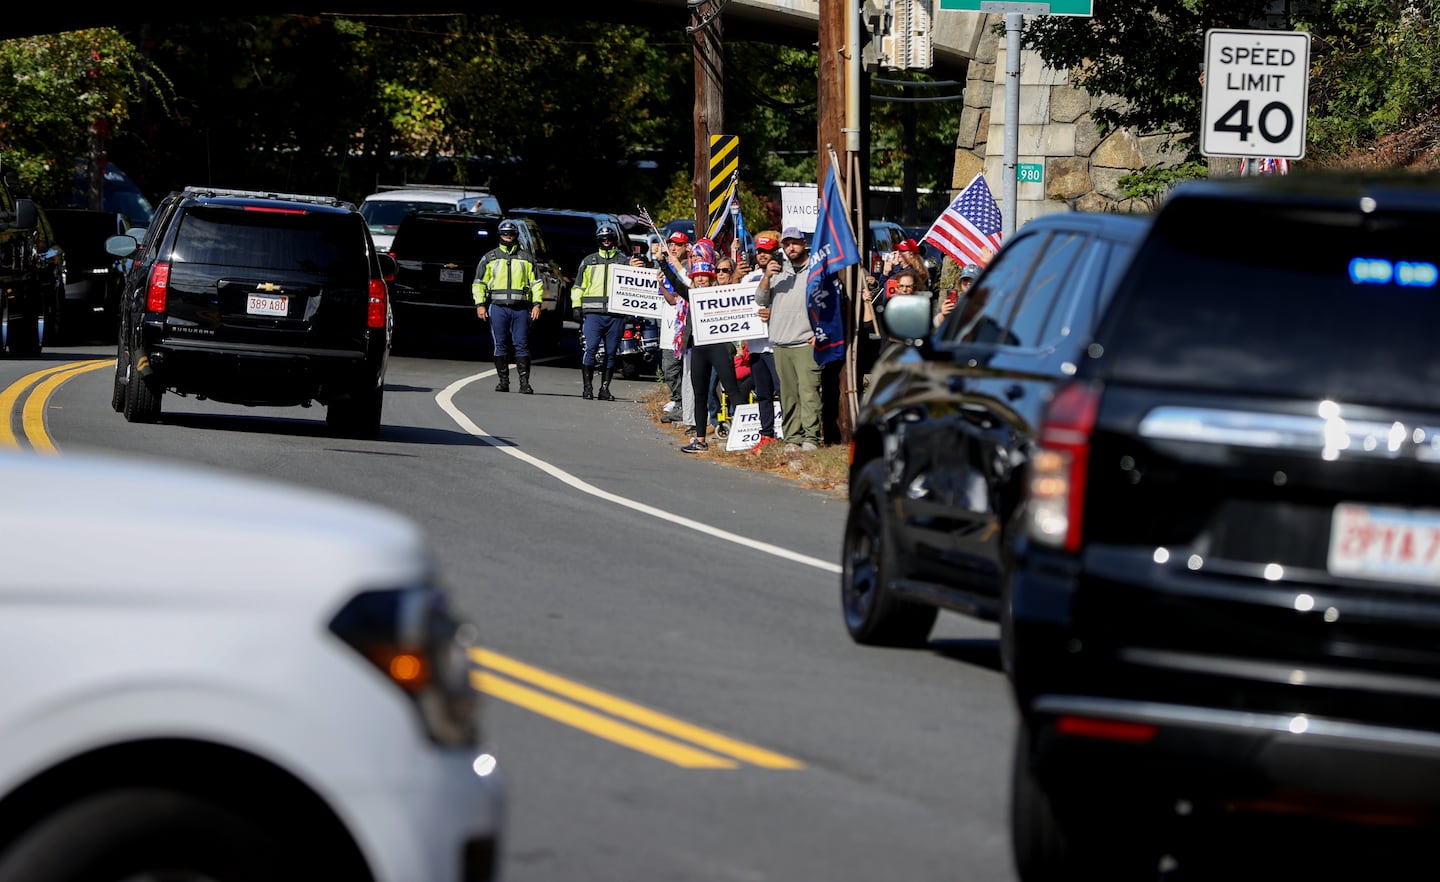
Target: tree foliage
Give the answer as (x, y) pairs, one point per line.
(56, 88)
(1374, 64)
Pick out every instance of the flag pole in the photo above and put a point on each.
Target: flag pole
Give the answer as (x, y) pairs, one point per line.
(849, 400)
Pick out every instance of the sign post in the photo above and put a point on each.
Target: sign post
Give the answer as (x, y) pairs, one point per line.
(1015, 12)
(1255, 97)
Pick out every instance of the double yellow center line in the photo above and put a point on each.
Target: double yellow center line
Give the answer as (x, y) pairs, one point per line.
(615, 719)
(32, 417)
(573, 704)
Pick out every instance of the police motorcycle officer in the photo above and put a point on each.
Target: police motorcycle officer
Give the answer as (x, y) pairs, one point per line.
(590, 298)
(508, 292)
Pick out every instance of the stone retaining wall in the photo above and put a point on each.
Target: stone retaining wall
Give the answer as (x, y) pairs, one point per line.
(1082, 170)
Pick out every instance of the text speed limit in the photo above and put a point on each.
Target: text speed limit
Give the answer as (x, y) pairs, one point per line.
(1256, 83)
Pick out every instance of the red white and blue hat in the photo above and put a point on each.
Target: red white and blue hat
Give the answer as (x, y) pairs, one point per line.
(702, 268)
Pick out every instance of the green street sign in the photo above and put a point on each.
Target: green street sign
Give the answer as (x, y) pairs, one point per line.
(1054, 7)
(1030, 172)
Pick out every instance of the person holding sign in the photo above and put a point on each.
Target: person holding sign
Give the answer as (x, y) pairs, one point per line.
(590, 297)
(703, 356)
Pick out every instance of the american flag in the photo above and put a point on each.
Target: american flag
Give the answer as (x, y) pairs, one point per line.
(969, 230)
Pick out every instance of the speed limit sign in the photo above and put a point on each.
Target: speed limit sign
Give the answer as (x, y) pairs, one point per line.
(1254, 103)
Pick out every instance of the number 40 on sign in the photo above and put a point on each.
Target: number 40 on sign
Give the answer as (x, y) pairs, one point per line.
(1255, 98)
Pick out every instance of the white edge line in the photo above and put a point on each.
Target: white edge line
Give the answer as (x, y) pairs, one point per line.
(445, 400)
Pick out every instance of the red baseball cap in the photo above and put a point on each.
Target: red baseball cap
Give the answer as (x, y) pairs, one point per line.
(679, 238)
(908, 245)
(766, 243)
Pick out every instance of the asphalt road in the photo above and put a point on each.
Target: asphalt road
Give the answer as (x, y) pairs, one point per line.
(711, 721)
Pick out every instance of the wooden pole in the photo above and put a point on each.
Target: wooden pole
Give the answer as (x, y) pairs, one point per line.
(705, 30)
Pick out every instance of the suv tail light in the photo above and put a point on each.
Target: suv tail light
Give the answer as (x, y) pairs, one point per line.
(1057, 477)
(375, 315)
(158, 288)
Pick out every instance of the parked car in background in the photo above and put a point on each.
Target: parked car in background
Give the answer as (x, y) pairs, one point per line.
(384, 210)
(1226, 596)
(277, 689)
(436, 254)
(93, 275)
(944, 442)
(26, 273)
(255, 298)
(885, 237)
(684, 225)
(569, 234)
(118, 193)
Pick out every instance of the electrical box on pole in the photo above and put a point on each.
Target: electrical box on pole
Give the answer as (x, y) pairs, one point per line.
(901, 34)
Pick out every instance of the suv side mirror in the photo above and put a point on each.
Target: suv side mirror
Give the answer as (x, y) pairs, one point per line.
(908, 317)
(388, 267)
(121, 246)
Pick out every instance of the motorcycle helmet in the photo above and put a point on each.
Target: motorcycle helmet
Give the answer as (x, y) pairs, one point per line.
(509, 228)
(606, 231)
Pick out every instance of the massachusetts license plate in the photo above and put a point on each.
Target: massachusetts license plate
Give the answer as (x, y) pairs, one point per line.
(449, 275)
(267, 304)
(1397, 544)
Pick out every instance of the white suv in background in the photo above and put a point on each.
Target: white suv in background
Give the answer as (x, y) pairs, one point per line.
(385, 210)
(210, 677)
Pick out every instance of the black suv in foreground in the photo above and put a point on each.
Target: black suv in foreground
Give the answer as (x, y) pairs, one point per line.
(1226, 602)
(255, 298)
(942, 445)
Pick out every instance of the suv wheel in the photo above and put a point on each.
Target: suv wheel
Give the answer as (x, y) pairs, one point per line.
(143, 834)
(357, 416)
(873, 615)
(117, 389)
(142, 395)
(22, 335)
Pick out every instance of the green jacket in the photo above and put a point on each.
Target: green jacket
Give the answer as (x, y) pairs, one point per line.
(591, 291)
(507, 275)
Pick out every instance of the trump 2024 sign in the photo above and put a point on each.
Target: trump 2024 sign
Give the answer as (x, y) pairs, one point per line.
(1255, 97)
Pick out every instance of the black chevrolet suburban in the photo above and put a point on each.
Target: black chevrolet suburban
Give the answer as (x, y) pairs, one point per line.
(1226, 596)
(255, 298)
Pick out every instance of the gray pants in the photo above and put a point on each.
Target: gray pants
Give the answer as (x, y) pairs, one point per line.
(673, 370)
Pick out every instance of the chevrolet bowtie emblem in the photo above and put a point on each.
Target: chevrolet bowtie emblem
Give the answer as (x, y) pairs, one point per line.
(267, 286)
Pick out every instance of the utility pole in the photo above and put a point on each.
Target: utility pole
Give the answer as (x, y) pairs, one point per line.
(839, 128)
(706, 31)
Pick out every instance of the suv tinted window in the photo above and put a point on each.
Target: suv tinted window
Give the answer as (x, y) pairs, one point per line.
(462, 238)
(1041, 310)
(985, 312)
(1290, 296)
(312, 243)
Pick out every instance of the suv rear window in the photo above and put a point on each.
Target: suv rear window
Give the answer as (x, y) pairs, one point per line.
(1289, 295)
(312, 242)
(466, 238)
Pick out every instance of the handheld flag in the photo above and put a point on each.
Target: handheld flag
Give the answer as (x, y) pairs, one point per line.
(833, 250)
(969, 229)
(741, 242)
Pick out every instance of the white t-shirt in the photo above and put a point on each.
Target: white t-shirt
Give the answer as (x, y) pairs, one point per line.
(762, 342)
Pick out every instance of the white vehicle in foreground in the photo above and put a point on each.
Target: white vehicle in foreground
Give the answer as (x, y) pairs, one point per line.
(208, 678)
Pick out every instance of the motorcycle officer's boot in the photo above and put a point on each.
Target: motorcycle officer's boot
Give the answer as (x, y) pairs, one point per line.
(605, 376)
(502, 373)
(587, 376)
(522, 367)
